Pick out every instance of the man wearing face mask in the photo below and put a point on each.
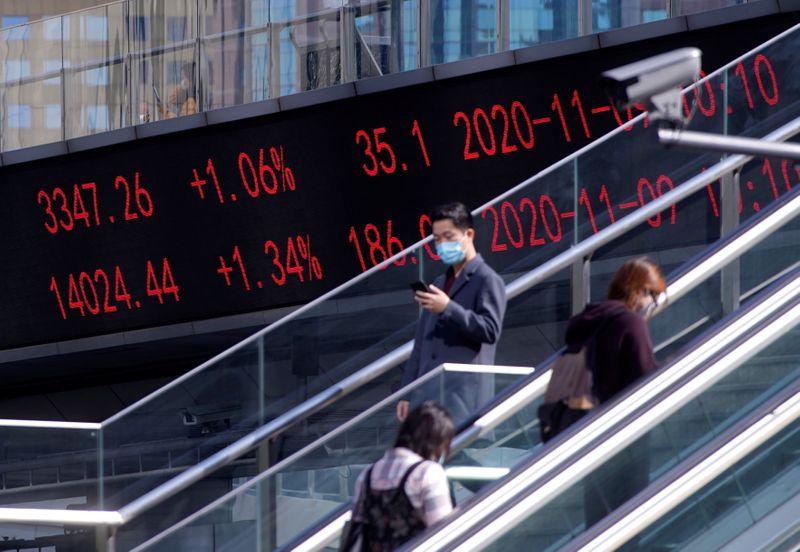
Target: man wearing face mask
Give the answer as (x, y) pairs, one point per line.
(462, 313)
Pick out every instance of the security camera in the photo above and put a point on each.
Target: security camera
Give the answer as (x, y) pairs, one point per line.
(654, 81)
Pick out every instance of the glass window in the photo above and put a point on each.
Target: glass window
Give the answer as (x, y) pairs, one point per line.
(94, 27)
(259, 12)
(16, 69)
(96, 77)
(653, 15)
(139, 27)
(96, 117)
(612, 14)
(531, 22)
(462, 29)
(19, 116)
(20, 33)
(51, 29)
(52, 66)
(177, 28)
(52, 116)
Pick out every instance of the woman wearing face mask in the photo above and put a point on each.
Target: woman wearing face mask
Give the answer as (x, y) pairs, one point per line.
(621, 353)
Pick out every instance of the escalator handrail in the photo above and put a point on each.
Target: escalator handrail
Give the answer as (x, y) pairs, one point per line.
(691, 475)
(623, 420)
(48, 424)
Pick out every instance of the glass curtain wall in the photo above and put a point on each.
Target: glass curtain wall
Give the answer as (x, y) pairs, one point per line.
(135, 61)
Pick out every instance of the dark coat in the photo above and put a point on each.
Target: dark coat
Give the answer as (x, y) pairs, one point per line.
(623, 350)
(466, 332)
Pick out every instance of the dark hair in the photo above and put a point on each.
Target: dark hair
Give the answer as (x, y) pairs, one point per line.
(427, 430)
(455, 211)
(635, 277)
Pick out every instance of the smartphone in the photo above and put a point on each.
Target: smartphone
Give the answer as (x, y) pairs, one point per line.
(419, 285)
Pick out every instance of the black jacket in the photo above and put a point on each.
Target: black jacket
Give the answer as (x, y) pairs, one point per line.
(623, 351)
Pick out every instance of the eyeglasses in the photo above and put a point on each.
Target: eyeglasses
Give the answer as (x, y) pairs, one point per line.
(654, 295)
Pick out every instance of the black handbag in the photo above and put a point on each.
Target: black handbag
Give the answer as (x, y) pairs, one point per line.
(352, 539)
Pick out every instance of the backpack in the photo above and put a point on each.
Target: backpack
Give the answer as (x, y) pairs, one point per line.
(389, 518)
(571, 392)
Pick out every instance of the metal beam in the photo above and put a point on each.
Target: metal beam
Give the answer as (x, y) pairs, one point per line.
(706, 141)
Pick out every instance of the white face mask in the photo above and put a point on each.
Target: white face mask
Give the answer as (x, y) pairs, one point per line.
(647, 305)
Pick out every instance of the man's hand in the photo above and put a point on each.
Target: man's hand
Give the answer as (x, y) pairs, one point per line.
(402, 410)
(434, 300)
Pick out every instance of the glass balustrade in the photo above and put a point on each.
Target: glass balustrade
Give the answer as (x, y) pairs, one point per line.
(687, 428)
(756, 487)
(298, 491)
(43, 459)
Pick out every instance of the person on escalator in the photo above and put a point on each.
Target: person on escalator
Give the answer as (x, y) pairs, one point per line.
(462, 314)
(406, 490)
(621, 353)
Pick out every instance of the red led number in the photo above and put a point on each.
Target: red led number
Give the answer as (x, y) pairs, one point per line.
(511, 221)
(91, 292)
(379, 248)
(167, 282)
(297, 248)
(141, 197)
(62, 211)
(388, 161)
(425, 228)
(486, 133)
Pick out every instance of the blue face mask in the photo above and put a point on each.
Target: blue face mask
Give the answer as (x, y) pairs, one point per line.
(450, 252)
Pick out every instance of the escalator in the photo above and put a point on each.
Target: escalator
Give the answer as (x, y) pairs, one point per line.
(317, 369)
(546, 504)
(739, 492)
(316, 480)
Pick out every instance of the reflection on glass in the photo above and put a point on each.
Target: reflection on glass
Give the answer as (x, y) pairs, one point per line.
(95, 93)
(48, 468)
(298, 492)
(234, 58)
(310, 52)
(385, 38)
(532, 22)
(736, 500)
(687, 7)
(135, 61)
(164, 65)
(462, 29)
(30, 80)
(613, 14)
